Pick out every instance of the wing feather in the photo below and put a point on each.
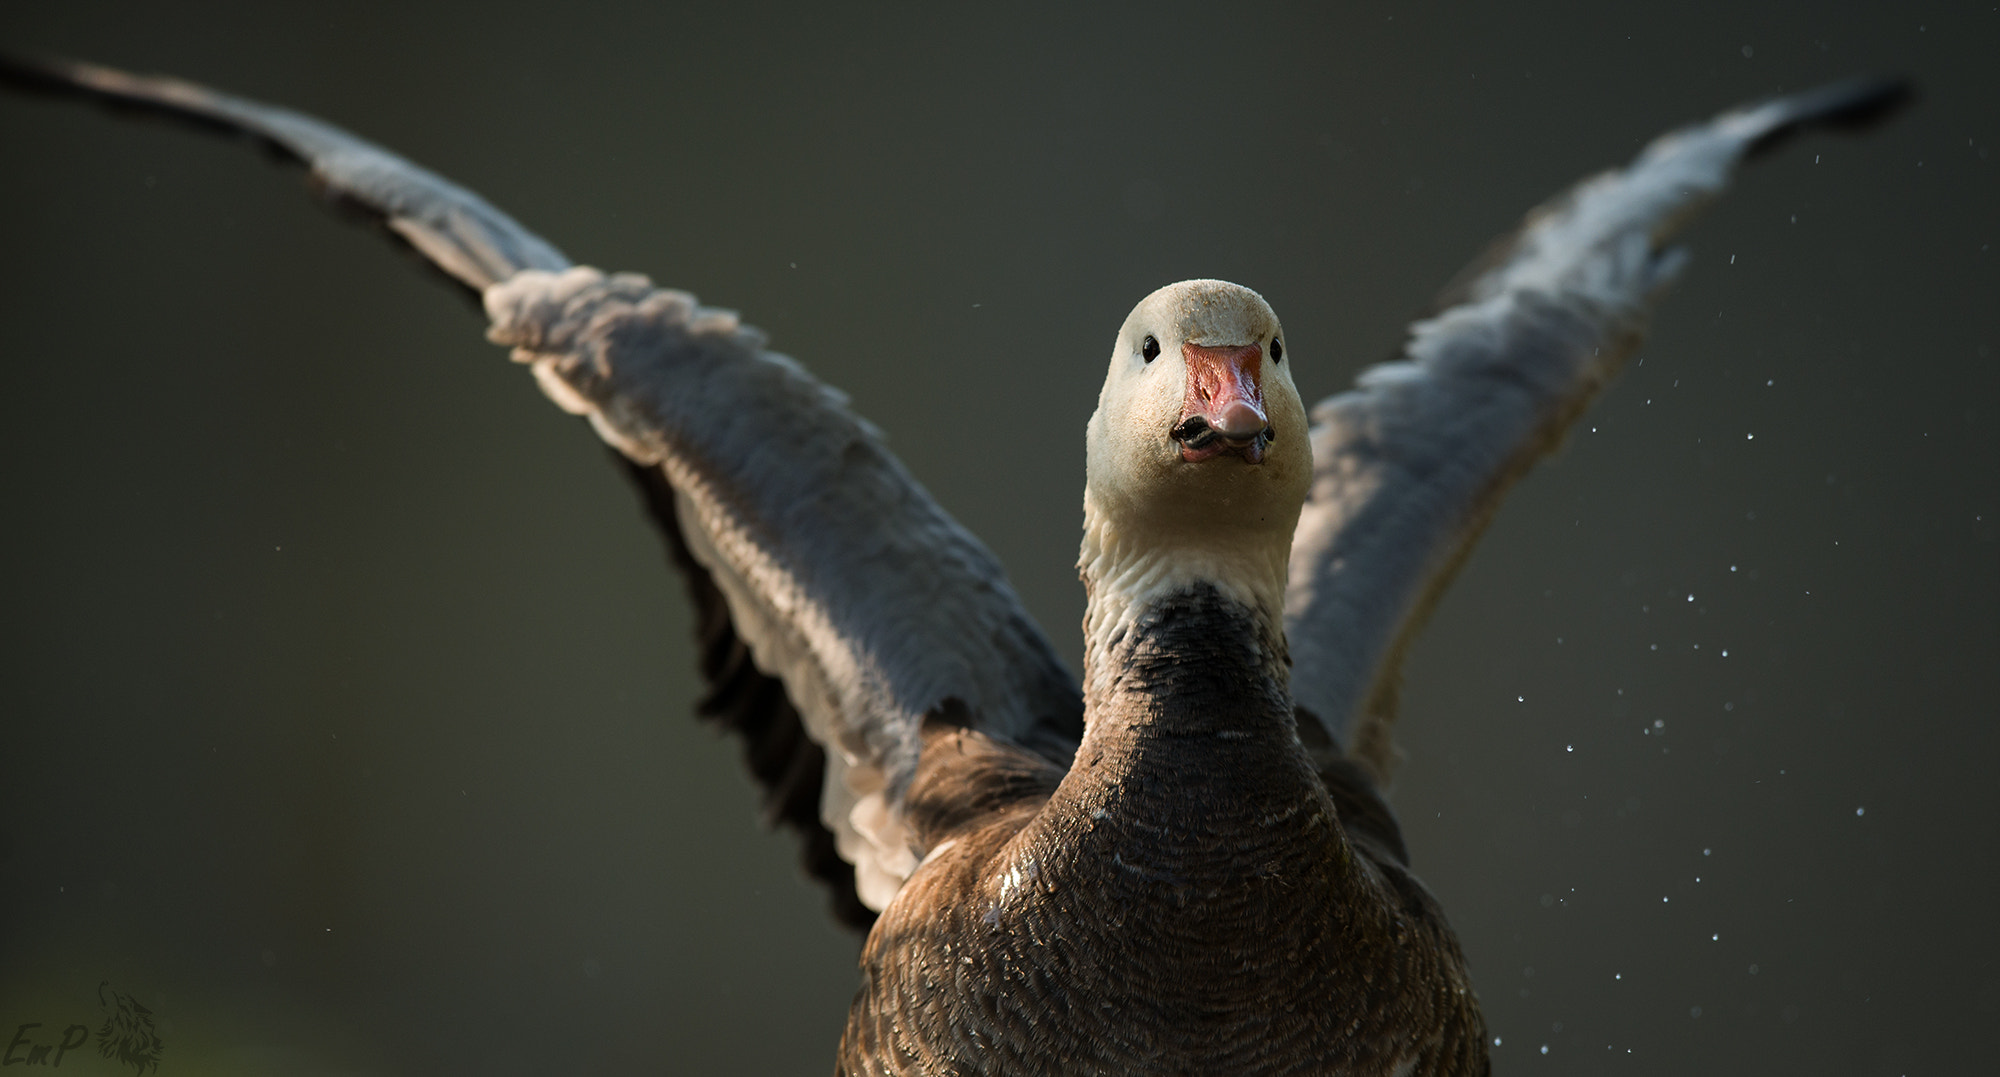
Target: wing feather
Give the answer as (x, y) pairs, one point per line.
(785, 761)
(1412, 462)
(840, 577)
(454, 229)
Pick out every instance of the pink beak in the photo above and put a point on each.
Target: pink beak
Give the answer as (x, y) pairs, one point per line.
(1224, 408)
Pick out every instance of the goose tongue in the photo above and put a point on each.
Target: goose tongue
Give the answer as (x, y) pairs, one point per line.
(1224, 408)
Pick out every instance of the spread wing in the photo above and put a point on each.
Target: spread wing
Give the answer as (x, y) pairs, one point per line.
(1411, 463)
(839, 605)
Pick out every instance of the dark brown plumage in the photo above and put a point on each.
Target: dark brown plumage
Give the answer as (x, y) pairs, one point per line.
(1183, 901)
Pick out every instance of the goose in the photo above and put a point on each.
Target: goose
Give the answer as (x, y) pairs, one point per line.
(1183, 863)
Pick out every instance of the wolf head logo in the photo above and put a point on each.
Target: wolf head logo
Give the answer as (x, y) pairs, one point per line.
(127, 1035)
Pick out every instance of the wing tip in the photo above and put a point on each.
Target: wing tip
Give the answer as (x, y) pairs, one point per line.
(160, 96)
(1852, 104)
(42, 74)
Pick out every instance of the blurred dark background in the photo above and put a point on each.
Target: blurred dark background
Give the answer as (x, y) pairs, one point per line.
(346, 696)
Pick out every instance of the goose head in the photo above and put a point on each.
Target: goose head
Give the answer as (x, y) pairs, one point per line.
(1198, 456)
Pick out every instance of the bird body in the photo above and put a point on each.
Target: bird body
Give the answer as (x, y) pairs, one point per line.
(1184, 864)
(1183, 900)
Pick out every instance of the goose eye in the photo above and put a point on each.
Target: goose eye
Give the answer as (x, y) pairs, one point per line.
(1150, 349)
(1277, 350)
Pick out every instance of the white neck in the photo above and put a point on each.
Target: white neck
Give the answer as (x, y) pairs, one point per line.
(1127, 570)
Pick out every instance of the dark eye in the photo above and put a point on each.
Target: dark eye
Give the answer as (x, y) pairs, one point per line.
(1150, 349)
(1277, 350)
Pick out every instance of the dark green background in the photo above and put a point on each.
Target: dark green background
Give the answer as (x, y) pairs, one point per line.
(346, 695)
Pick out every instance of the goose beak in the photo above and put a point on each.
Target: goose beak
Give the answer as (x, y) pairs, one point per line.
(1223, 411)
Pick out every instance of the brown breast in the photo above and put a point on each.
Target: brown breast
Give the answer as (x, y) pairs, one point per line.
(1183, 900)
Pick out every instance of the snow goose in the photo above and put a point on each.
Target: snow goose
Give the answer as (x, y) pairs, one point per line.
(1211, 789)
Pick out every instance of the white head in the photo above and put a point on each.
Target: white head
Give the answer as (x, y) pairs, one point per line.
(1198, 454)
